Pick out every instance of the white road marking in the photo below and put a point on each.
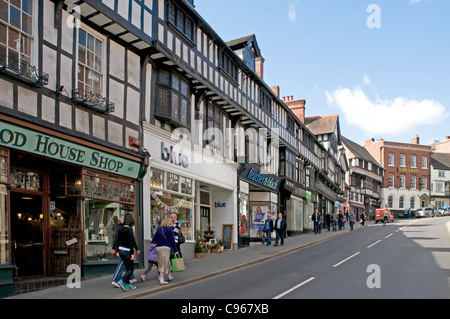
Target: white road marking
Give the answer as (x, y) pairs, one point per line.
(346, 259)
(294, 288)
(374, 243)
(389, 235)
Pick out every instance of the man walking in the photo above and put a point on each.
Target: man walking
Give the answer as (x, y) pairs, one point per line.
(268, 229)
(280, 228)
(316, 219)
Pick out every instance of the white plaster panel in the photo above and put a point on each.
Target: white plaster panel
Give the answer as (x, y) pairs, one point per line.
(117, 60)
(6, 93)
(122, 8)
(115, 133)
(27, 101)
(48, 109)
(133, 106)
(134, 72)
(98, 127)
(82, 121)
(49, 66)
(65, 115)
(116, 95)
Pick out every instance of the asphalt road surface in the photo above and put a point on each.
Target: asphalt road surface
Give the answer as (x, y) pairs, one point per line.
(407, 259)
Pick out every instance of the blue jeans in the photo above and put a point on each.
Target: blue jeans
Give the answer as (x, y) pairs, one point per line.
(129, 265)
(119, 270)
(268, 234)
(280, 233)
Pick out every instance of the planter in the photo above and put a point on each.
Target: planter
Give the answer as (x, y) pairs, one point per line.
(198, 255)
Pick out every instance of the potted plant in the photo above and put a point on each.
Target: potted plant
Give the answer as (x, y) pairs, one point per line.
(220, 243)
(198, 250)
(198, 247)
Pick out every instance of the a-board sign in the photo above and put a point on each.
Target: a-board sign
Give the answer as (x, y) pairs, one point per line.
(227, 236)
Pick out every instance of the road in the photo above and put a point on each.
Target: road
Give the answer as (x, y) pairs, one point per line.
(406, 259)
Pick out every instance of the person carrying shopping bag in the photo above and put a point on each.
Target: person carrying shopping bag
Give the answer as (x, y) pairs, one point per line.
(165, 241)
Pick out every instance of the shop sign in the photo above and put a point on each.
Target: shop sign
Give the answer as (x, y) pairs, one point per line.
(269, 181)
(38, 143)
(172, 156)
(220, 205)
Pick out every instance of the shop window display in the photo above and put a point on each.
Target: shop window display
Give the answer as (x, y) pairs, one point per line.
(171, 193)
(107, 201)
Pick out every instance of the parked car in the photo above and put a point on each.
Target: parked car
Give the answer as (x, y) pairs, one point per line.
(379, 215)
(426, 212)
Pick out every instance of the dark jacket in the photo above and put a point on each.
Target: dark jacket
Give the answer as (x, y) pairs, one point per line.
(125, 238)
(270, 223)
(166, 239)
(283, 224)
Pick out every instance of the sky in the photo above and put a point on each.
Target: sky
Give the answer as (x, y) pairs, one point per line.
(382, 65)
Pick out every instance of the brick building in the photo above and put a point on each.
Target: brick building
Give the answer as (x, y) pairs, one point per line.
(406, 183)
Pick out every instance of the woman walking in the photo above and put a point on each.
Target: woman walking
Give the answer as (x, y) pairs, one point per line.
(126, 244)
(165, 241)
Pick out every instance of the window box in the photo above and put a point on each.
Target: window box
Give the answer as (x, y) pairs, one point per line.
(92, 100)
(22, 70)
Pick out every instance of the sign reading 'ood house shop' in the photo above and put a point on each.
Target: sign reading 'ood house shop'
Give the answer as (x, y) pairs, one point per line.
(27, 140)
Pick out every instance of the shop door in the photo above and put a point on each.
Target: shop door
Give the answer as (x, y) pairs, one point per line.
(204, 218)
(27, 233)
(65, 235)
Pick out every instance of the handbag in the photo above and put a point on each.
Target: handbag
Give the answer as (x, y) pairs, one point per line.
(178, 264)
(181, 239)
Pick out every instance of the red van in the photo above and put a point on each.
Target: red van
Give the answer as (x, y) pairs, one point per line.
(379, 215)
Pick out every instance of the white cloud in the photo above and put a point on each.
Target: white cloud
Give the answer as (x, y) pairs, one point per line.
(292, 13)
(381, 117)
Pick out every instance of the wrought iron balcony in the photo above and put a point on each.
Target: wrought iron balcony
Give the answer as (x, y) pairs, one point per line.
(92, 100)
(23, 70)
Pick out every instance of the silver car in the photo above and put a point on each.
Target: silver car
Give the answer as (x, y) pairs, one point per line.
(426, 212)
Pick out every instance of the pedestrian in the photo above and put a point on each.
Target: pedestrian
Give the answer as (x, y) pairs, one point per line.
(316, 219)
(176, 231)
(120, 268)
(320, 223)
(351, 219)
(363, 218)
(165, 241)
(328, 220)
(126, 251)
(152, 259)
(280, 228)
(340, 221)
(268, 229)
(334, 223)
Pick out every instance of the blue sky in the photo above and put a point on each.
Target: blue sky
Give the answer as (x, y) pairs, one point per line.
(386, 71)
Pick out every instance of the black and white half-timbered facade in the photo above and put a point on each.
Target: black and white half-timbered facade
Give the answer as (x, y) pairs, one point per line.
(109, 107)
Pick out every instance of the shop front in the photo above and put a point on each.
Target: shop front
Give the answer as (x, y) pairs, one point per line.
(258, 199)
(60, 202)
(201, 190)
(295, 207)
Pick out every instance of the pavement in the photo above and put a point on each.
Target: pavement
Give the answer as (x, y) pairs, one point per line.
(208, 266)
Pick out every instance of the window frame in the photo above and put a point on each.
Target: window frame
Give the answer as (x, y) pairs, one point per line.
(104, 57)
(179, 20)
(178, 90)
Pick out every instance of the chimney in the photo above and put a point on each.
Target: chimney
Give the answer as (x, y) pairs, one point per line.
(259, 67)
(297, 107)
(415, 139)
(276, 89)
